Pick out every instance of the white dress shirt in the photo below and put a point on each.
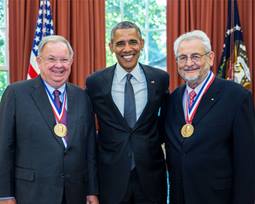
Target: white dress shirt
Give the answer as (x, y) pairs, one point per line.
(139, 84)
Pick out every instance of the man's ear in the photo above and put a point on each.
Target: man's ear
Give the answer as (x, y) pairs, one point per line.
(142, 43)
(211, 58)
(38, 60)
(111, 47)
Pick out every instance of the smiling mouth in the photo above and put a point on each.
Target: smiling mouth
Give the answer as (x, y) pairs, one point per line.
(190, 69)
(58, 71)
(128, 57)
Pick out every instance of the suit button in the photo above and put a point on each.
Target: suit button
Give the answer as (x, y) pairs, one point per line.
(63, 176)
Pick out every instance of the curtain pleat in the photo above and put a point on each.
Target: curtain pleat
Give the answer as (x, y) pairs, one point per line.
(82, 22)
(211, 17)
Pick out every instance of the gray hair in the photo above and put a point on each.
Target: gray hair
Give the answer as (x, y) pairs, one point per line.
(125, 25)
(195, 34)
(54, 38)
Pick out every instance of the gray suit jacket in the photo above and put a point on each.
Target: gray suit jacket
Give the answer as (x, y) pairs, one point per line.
(35, 165)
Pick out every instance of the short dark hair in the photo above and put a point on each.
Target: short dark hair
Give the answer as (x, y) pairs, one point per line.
(125, 25)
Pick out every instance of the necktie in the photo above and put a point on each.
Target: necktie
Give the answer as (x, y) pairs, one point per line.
(130, 113)
(129, 103)
(192, 96)
(58, 103)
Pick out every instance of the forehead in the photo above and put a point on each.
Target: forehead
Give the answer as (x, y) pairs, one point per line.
(191, 46)
(125, 34)
(55, 46)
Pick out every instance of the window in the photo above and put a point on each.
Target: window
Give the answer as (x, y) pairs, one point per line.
(150, 16)
(3, 47)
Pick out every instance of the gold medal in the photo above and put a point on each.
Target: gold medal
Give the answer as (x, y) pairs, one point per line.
(60, 130)
(187, 130)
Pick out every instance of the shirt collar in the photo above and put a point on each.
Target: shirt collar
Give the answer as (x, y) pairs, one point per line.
(121, 73)
(197, 89)
(51, 89)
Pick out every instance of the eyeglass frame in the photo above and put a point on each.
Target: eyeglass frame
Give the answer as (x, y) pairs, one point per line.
(190, 57)
(55, 60)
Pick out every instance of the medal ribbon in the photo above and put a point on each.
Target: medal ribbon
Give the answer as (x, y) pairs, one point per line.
(58, 112)
(191, 111)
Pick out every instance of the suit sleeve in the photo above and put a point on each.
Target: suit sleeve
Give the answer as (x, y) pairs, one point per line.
(7, 143)
(244, 153)
(163, 108)
(92, 185)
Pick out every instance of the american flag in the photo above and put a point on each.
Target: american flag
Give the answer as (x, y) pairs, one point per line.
(44, 27)
(234, 60)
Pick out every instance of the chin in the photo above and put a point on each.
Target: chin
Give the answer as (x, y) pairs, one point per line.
(191, 78)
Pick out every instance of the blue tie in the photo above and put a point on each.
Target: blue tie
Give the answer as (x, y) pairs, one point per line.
(130, 113)
(129, 103)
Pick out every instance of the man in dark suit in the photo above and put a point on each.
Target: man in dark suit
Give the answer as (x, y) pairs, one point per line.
(210, 126)
(130, 158)
(47, 135)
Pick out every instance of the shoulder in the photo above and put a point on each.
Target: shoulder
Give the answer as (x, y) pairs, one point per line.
(77, 92)
(155, 71)
(157, 74)
(24, 86)
(231, 88)
(99, 75)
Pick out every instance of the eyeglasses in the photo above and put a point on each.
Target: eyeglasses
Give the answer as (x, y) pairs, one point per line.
(54, 60)
(196, 58)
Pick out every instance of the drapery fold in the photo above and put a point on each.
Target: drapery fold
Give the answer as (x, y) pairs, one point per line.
(211, 17)
(81, 22)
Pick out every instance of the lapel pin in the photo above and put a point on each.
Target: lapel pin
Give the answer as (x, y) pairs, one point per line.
(152, 82)
(212, 99)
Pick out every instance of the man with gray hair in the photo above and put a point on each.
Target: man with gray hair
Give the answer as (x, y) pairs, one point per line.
(210, 131)
(47, 135)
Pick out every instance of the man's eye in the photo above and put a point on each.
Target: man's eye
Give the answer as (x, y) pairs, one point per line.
(120, 44)
(182, 58)
(133, 42)
(64, 60)
(51, 59)
(195, 57)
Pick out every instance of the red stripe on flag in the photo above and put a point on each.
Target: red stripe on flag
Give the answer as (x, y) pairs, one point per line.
(31, 72)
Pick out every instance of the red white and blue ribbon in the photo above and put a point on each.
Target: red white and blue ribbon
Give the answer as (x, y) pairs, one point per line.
(191, 111)
(58, 112)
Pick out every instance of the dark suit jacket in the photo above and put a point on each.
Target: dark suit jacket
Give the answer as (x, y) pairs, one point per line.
(114, 137)
(216, 164)
(35, 166)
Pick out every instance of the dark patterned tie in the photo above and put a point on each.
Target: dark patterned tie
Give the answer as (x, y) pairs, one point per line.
(129, 103)
(58, 103)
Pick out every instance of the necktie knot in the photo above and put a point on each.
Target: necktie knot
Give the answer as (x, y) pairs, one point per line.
(129, 76)
(57, 101)
(56, 93)
(192, 96)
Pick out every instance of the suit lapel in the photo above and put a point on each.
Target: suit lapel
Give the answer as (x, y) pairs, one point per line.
(178, 109)
(41, 100)
(151, 91)
(208, 100)
(107, 92)
(72, 112)
(179, 103)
